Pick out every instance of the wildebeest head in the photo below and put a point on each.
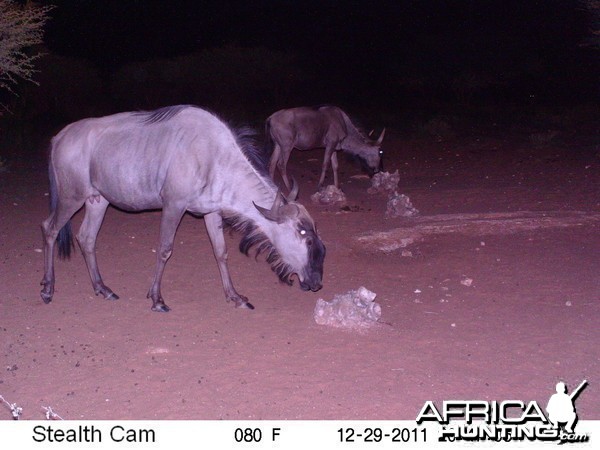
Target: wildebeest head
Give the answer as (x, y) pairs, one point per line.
(296, 244)
(374, 156)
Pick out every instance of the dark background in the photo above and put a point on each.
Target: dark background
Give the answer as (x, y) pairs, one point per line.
(398, 62)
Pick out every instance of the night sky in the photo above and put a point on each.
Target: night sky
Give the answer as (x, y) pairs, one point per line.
(359, 43)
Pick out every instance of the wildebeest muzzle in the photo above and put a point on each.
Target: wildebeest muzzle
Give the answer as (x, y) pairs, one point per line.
(313, 273)
(313, 284)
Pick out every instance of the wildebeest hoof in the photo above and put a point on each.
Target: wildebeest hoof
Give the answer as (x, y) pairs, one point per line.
(106, 293)
(160, 307)
(244, 305)
(240, 301)
(46, 292)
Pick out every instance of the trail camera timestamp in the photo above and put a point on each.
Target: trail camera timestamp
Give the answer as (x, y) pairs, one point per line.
(375, 434)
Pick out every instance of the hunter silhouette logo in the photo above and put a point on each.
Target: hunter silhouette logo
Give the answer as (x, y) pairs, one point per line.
(508, 420)
(561, 406)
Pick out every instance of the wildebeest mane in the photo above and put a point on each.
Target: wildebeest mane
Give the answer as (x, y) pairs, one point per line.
(322, 105)
(258, 157)
(254, 239)
(353, 126)
(161, 114)
(244, 136)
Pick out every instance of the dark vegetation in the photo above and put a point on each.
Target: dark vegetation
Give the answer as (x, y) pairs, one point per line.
(433, 71)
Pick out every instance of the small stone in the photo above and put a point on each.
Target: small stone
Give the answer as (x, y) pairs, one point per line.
(384, 182)
(399, 205)
(355, 309)
(329, 195)
(465, 281)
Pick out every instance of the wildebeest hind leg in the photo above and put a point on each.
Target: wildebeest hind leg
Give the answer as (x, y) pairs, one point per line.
(171, 216)
(328, 152)
(214, 227)
(95, 208)
(50, 229)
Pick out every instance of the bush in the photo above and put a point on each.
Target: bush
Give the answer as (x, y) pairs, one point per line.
(69, 89)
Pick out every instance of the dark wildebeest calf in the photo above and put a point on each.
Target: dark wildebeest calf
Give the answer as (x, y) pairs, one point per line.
(325, 127)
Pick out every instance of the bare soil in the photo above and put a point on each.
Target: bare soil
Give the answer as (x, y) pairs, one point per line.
(521, 223)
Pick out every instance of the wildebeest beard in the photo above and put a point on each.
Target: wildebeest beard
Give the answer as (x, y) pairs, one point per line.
(253, 238)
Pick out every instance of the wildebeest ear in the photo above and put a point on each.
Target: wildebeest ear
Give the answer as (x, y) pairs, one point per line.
(289, 212)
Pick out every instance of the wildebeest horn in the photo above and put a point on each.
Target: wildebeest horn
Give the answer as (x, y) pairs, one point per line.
(293, 195)
(266, 213)
(279, 211)
(380, 139)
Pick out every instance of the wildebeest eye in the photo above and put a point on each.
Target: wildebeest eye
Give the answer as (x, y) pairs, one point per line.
(302, 231)
(380, 152)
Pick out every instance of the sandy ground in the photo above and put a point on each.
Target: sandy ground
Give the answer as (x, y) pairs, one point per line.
(528, 320)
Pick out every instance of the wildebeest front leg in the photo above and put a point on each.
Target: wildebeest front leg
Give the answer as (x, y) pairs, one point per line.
(95, 208)
(214, 226)
(334, 168)
(171, 216)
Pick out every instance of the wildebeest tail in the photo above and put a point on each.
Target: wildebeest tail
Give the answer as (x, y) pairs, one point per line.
(64, 240)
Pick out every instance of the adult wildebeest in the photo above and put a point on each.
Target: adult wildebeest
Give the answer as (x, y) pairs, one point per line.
(326, 127)
(177, 159)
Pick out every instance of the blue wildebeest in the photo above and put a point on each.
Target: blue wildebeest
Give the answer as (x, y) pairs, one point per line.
(177, 159)
(326, 127)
